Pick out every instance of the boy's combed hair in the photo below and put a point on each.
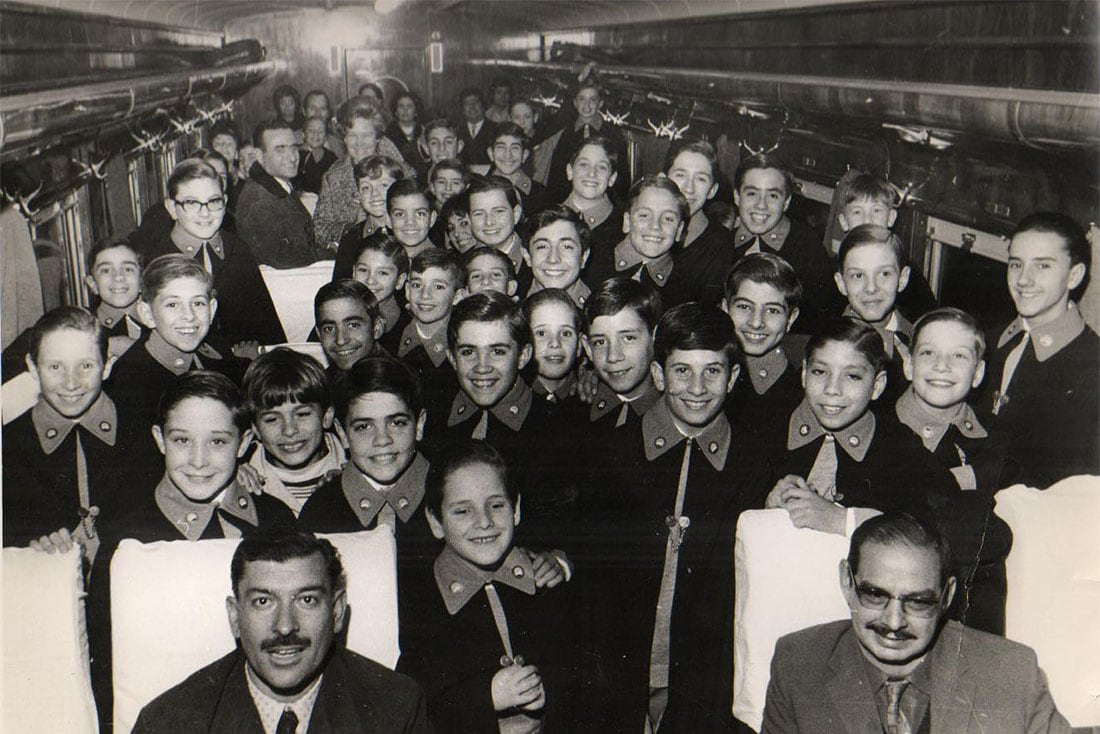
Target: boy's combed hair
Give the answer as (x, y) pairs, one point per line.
(449, 164)
(379, 374)
(1072, 234)
(166, 268)
(871, 234)
(859, 334)
(589, 82)
(377, 166)
(620, 293)
(360, 108)
(551, 295)
(483, 184)
(345, 288)
(761, 161)
(110, 243)
(440, 123)
(764, 267)
(268, 126)
(191, 169)
(870, 186)
(487, 307)
(484, 250)
(662, 183)
(208, 385)
(471, 92)
(406, 187)
(384, 243)
(66, 317)
(695, 326)
(557, 213)
(459, 455)
(605, 144)
(224, 127)
(280, 546)
(954, 316)
(500, 82)
(284, 376)
(437, 257)
(702, 147)
(456, 206)
(511, 130)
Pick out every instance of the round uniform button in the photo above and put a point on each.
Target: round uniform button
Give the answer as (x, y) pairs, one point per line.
(1046, 340)
(514, 409)
(713, 447)
(243, 502)
(192, 516)
(659, 442)
(403, 502)
(505, 661)
(518, 571)
(622, 263)
(803, 430)
(364, 504)
(109, 321)
(51, 433)
(853, 440)
(105, 426)
(179, 361)
(969, 425)
(461, 409)
(438, 347)
(601, 405)
(927, 430)
(763, 373)
(455, 587)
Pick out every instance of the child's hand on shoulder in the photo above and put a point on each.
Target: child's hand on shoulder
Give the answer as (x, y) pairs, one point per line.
(250, 478)
(548, 568)
(808, 509)
(778, 496)
(587, 384)
(518, 687)
(247, 350)
(59, 541)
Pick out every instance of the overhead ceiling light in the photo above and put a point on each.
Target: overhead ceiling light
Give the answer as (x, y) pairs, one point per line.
(383, 7)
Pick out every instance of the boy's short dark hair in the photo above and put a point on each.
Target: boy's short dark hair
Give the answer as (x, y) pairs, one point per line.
(203, 384)
(484, 184)
(500, 257)
(486, 307)
(653, 181)
(589, 82)
(376, 166)
(285, 90)
(458, 455)
(440, 123)
(695, 326)
(605, 144)
(456, 206)
(619, 293)
(557, 213)
(66, 317)
(406, 187)
(511, 130)
(268, 126)
(500, 82)
(284, 376)
(384, 243)
(761, 161)
(861, 335)
(551, 295)
(702, 147)
(449, 164)
(346, 288)
(871, 234)
(110, 243)
(166, 268)
(764, 267)
(379, 374)
(953, 316)
(471, 92)
(191, 169)
(280, 546)
(210, 155)
(225, 127)
(870, 186)
(437, 257)
(1072, 234)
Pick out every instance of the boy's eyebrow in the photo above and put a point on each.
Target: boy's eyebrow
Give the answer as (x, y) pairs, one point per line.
(494, 345)
(745, 299)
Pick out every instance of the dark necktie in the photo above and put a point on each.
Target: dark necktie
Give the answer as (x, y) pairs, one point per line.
(288, 723)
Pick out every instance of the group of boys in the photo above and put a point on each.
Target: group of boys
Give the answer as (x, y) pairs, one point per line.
(626, 381)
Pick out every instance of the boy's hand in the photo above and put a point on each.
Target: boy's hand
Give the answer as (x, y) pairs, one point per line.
(250, 478)
(518, 687)
(548, 569)
(778, 496)
(808, 509)
(587, 383)
(59, 541)
(246, 349)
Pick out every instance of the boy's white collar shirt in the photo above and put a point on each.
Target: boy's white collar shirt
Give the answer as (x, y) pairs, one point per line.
(279, 480)
(511, 410)
(271, 711)
(368, 498)
(855, 440)
(52, 428)
(930, 428)
(1047, 339)
(595, 214)
(627, 258)
(191, 518)
(459, 581)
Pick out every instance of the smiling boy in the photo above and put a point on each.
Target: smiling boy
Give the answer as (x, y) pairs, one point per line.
(557, 249)
(495, 212)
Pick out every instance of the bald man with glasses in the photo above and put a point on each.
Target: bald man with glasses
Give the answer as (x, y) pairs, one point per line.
(898, 666)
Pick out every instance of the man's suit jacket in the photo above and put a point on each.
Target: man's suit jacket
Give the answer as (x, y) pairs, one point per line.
(275, 224)
(981, 683)
(357, 695)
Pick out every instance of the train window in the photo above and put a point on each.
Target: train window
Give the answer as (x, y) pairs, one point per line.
(136, 175)
(67, 224)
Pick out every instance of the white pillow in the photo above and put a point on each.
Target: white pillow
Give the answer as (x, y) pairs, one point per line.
(1053, 603)
(47, 687)
(786, 580)
(169, 618)
(292, 291)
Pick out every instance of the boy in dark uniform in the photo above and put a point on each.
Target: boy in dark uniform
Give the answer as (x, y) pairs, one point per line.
(508, 152)
(588, 124)
(495, 212)
(1041, 386)
(114, 276)
(555, 335)
(382, 265)
(447, 179)
(347, 324)
(591, 173)
(557, 249)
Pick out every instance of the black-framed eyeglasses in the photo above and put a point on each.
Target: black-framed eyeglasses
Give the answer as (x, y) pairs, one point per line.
(872, 597)
(194, 206)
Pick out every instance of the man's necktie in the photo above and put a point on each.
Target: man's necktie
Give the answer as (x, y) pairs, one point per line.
(288, 722)
(896, 721)
(822, 476)
(482, 427)
(1012, 361)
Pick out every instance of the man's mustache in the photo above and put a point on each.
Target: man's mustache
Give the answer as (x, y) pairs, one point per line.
(276, 643)
(885, 631)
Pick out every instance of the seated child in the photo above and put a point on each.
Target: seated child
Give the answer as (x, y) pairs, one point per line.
(1042, 378)
(507, 153)
(554, 321)
(619, 320)
(872, 270)
(835, 463)
(591, 173)
(288, 398)
(556, 250)
(447, 179)
(114, 277)
(489, 269)
(653, 226)
(347, 324)
(436, 282)
(383, 266)
(373, 177)
(495, 212)
(455, 215)
(493, 651)
(947, 363)
(410, 213)
(762, 299)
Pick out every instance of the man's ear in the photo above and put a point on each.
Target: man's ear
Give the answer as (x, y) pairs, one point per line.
(586, 346)
(341, 434)
(234, 615)
(431, 218)
(378, 327)
(459, 145)
(213, 307)
(843, 221)
(1076, 275)
(517, 214)
(907, 365)
(517, 513)
(399, 284)
(713, 191)
(846, 586)
(434, 524)
(525, 355)
(584, 259)
(460, 293)
(658, 374)
(90, 282)
(679, 232)
(792, 318)
(787, 203)
(737, 199)
(339, 610)
(891, 217)
(108, 366)
(626, 222)
(840, 284)
(903, 278)
(612, 179)
(803, 380)
(526, 155)
(512, 287)
(948, 594)
(526, 257)
(158, 437)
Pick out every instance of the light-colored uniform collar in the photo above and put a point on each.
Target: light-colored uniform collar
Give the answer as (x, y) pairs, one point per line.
(109, 315)
(888, 330)
(513, 250)
(1047, 339)
(607, 400)
(434, 343)
(579, 291)
(595, 214)
(511, 410)
(931, 428)
(191, 518)
(660, 433)
(52, 428)
(696, 226)
(765, 371)
(561, 392)
(390, 312)
(595, 123)
(173, 359)
(459, 581)
(366, 498)
(190, 245)
(855, 440)
(627, 258)
(520, 181)
(773, 239)
(271, 711)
